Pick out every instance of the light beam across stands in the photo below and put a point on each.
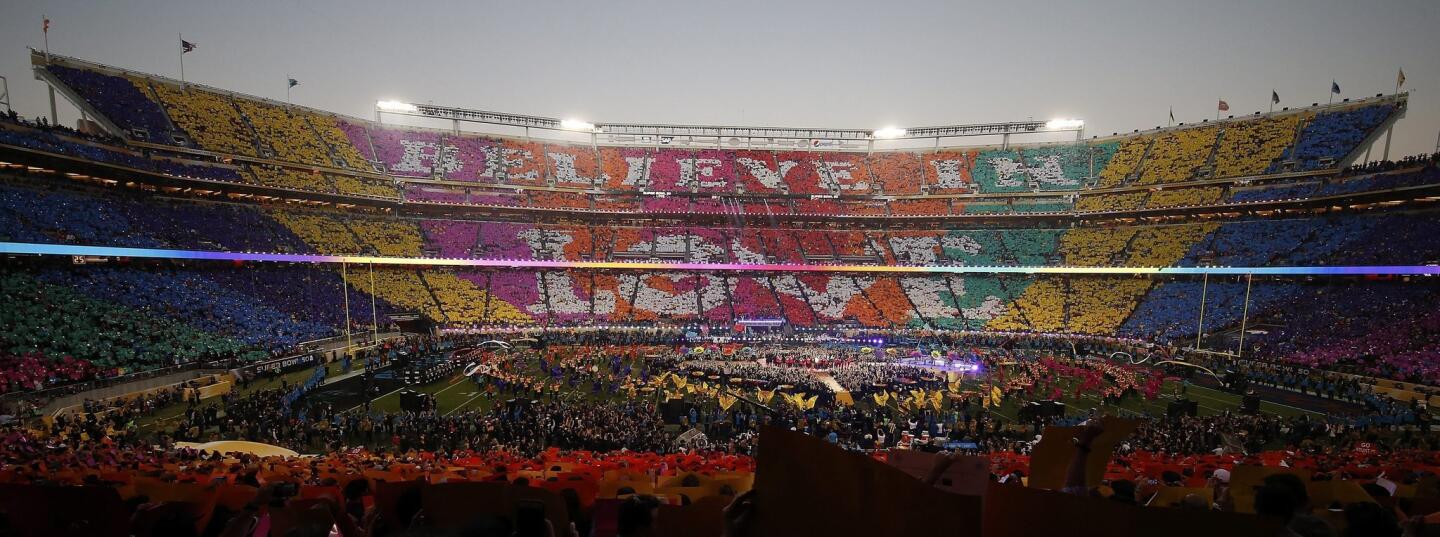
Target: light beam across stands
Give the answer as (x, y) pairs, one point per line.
(156, 253)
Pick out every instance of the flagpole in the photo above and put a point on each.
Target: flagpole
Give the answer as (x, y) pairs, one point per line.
(1245, 315)
(287, 88)
(182, 58)
(374, 318)
(46, 19)
(1332, 92)
(1272, 100)
(1200, 325)
(345, 290)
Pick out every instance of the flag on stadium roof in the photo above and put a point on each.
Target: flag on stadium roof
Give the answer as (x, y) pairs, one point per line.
(1399, 77)
(1334, 87)
(1172, 114)
(186, 46)
(1274, 97)
(46, 29)
(294, 83)
(1223, 106)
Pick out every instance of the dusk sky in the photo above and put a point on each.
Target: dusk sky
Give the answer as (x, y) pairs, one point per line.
(1120, 65)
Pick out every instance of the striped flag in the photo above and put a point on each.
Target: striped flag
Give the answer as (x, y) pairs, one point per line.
(1223, 106)
(186, 46)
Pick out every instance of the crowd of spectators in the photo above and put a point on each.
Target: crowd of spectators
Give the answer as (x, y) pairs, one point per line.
(799, 379)
(211, 119)
(41, 135)
(1175, 156)
(1328, 137)
(123, 100)
(569, 411)
(34, 371)
(1249, 147)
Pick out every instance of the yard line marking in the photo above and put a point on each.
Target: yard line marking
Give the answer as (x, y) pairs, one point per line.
(372, 401)
(463, 405)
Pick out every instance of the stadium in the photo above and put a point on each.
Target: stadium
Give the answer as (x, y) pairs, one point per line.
(227, 314)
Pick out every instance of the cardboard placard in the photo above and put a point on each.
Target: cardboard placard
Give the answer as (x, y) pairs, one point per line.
(1244, 479)
(969, 474)
(1050, 458)
(1014, 511)
(805, 486)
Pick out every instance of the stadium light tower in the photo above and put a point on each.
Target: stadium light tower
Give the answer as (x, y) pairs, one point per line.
(888, 132)
(1064, 124)
(577, 125)
(393, 106)
(396, 106)
(1077, 125)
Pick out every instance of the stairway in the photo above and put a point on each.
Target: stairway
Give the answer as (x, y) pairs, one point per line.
(1214, 151)
(904, 289)
(440, 306)
(335, 159)
(1139, 164)
(1014, 300)
(913, 309)
(866, 296)
(699, 301)
(254, 134)
(489, 295)
(540, 277)
(634, 291)
(1122, 257)
(165, 111)
(345, 222)
(728, 283)
(770, 285)
(1066, 303)
(809, 302)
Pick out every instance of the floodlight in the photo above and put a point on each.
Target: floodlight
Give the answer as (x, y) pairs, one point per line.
(576, 125)
(1056, 124)
(395, 106)
(888, 132)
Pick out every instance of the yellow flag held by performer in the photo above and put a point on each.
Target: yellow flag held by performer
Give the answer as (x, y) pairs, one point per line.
(810, 403)
(726, 401)
(937, 399)
(798, 400)
(763, 396)
(882, 398)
